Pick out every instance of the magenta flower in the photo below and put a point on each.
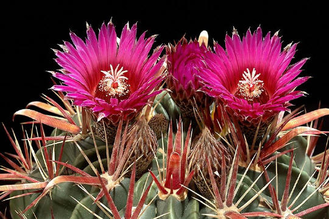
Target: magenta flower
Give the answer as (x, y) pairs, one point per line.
(252, 77)
(185, 62)
(113, 77)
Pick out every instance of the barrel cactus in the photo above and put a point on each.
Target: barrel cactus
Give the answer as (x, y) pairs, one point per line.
(197, 132)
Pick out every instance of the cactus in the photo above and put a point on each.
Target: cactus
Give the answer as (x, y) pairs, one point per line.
(126, 150)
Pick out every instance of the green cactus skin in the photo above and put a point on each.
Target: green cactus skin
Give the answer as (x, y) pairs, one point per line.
(171, 208)
(60, 201)
(119, 195)
(167, 106)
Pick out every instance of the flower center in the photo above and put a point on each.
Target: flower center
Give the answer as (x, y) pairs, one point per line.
(250, 87)
(114, 83)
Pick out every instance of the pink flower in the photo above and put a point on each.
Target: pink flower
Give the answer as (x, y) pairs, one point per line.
(252, 77)
(113, 77)
(185, 62)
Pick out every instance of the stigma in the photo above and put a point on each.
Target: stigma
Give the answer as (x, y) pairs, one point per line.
(114, 83)
(250, 87)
